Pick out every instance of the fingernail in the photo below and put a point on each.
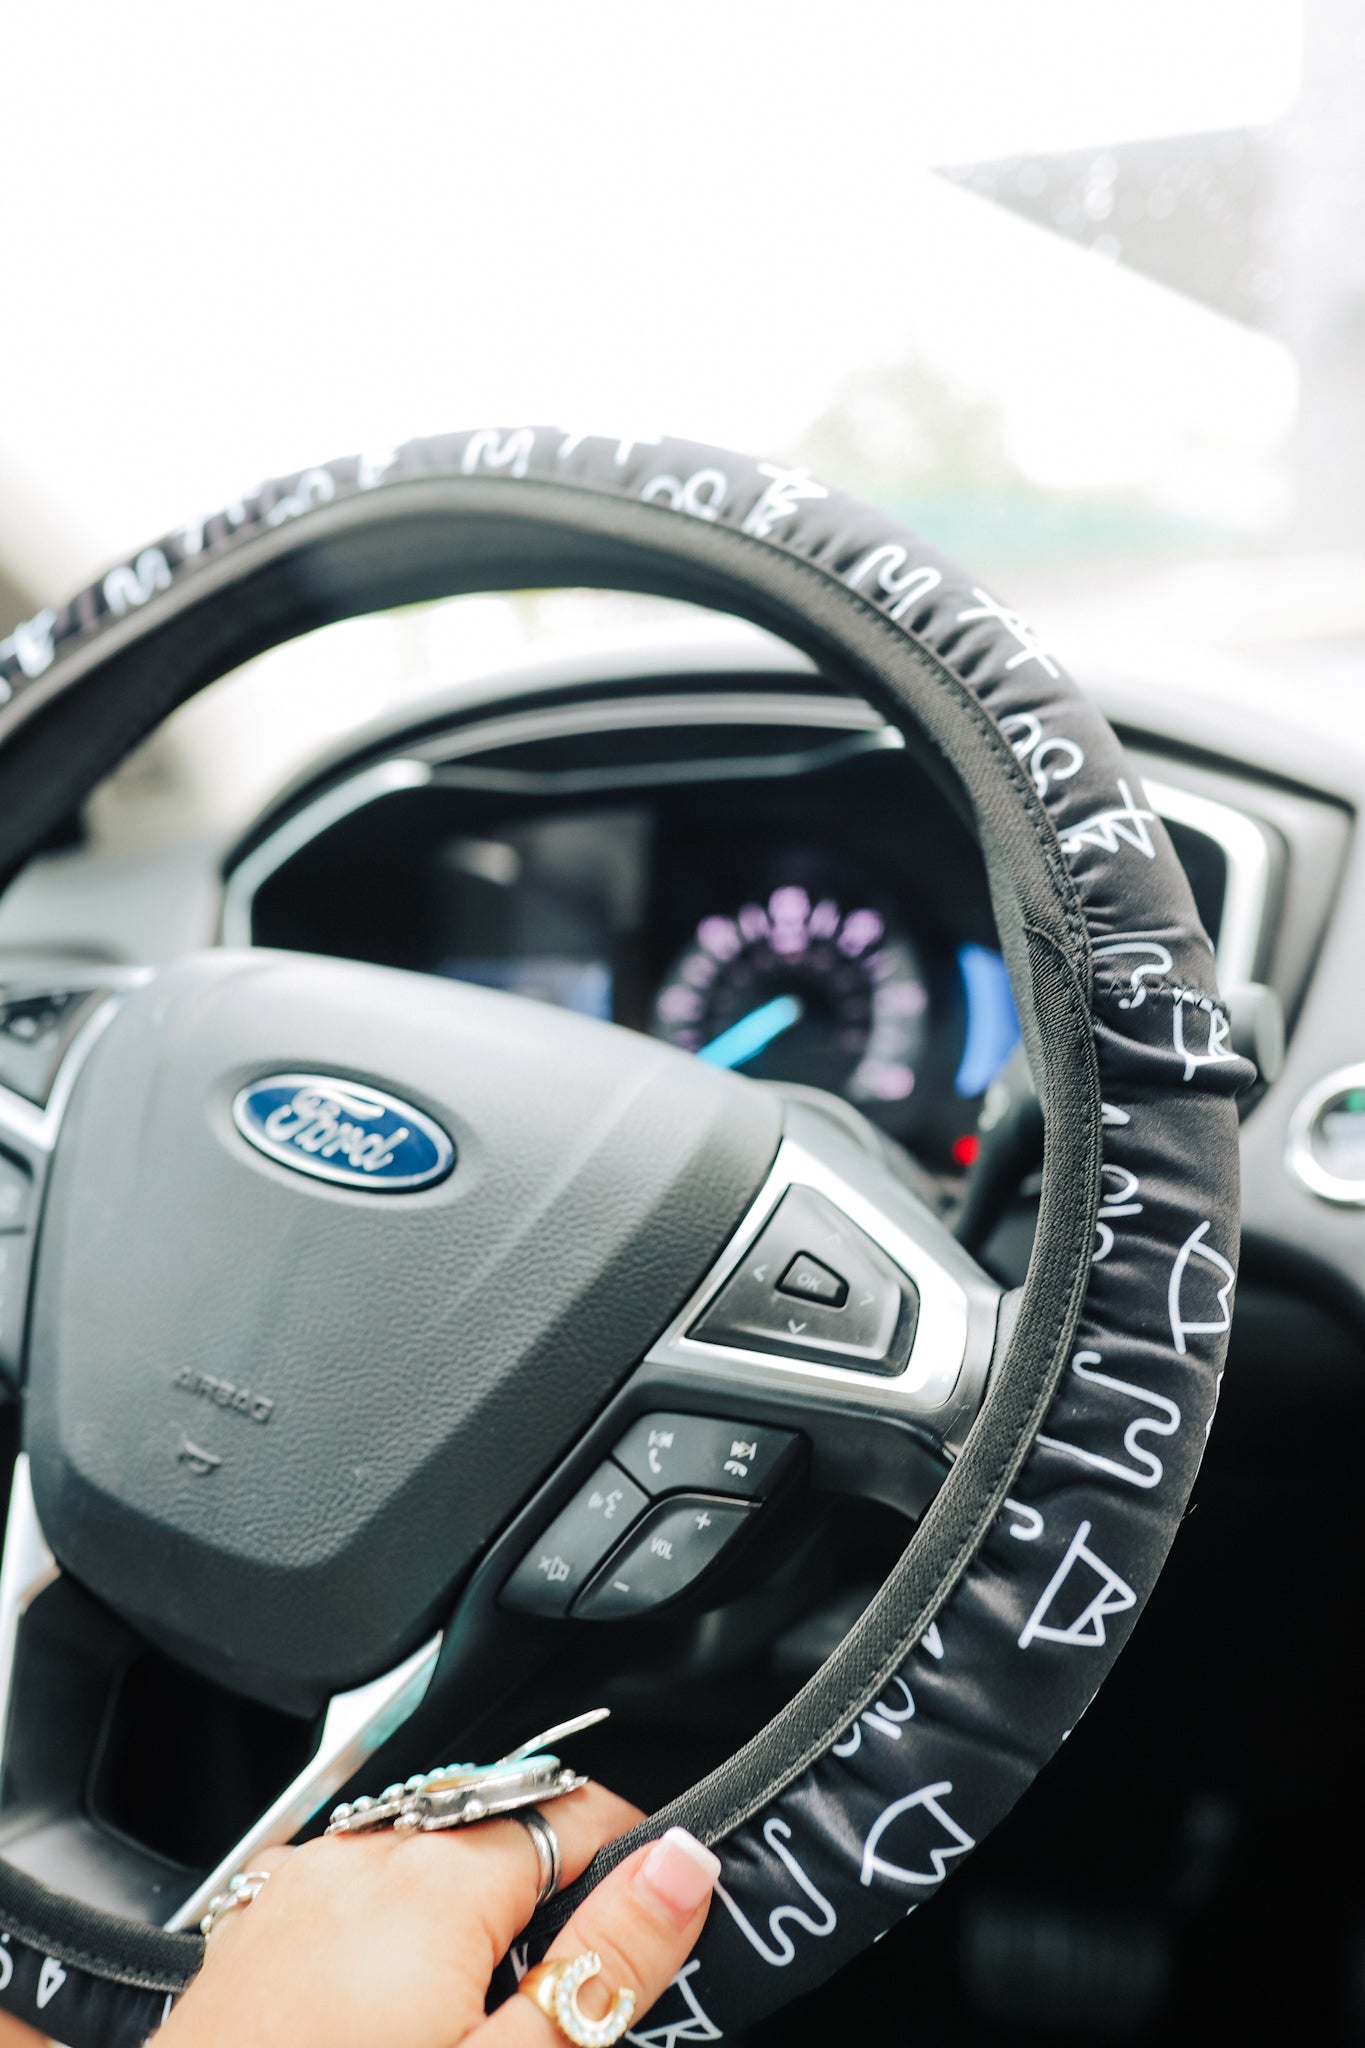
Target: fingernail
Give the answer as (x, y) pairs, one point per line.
(680, 1872)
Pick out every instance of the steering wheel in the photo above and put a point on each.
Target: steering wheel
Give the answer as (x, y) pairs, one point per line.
(449, 1270)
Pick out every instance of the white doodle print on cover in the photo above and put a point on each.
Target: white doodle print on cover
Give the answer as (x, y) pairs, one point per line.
(782, 1949)
(1151, 959)
(1118, 1185)
(1124, 824)
(50, 1981)
(625, 446)
(908, 585)
(786, 490)
(490, 449)
(1196, 1264)
(1027, 1524)
(695, 2025)
(133, 584)
(32, 645)
(1050, 760)
(1145, 1468)
(1030, 646)
(935, 1835)
(884, 1716)
(1085, 1628)
(1185, 1032)
(702, 494)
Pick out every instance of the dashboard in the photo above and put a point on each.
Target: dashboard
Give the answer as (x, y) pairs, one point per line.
(764, 876)
(710, 892)
(739, 856)
(720, 844)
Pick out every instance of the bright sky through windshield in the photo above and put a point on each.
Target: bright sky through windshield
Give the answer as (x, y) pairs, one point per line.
(241, 239)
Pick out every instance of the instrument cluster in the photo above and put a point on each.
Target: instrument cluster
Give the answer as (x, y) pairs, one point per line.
(815, 915)
(776, 957)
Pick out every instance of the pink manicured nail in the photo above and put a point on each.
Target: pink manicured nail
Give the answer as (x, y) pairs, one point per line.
(679, 1872)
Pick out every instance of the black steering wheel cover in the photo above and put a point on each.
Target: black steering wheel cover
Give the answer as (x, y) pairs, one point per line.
(993, 1632)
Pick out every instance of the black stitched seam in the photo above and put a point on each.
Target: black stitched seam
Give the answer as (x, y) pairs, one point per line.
(185, 571)
(1177, 992)
(1007, 1470)
(963, 1555)
(987, 724)
(96, 1966)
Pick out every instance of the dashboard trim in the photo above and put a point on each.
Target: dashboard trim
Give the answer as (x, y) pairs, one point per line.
(1238, 836)
(28, 1569)
(385, 778)
(355, 1725)
(728, 707)
(671, 774)
(418, 768)
(1247, 861)
(1300, 1157)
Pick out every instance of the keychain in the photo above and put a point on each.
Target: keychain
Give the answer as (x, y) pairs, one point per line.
(455, 1795)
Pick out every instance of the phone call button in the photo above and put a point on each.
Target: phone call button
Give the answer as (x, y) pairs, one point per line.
(706, 1453)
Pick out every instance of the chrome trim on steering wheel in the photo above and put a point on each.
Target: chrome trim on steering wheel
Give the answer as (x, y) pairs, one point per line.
(26, 1125)
(356, 1725)
(27, 1568)
(944, 1380)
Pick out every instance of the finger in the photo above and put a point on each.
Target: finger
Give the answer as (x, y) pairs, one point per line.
(642, 1922)
(584, 1822)
(359, 1939)
(19, 2034)
(490, 1872)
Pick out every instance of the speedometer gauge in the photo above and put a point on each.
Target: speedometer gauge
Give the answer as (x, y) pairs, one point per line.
(796, 989)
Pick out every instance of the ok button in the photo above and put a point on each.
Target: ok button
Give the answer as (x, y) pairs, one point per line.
(806, 1279)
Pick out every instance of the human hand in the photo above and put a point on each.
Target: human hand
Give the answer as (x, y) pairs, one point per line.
(368, 1938)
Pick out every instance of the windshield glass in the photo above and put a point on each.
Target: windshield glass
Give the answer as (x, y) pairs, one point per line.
(1075, 290)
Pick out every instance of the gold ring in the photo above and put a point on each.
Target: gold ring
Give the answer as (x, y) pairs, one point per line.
(555, 1987)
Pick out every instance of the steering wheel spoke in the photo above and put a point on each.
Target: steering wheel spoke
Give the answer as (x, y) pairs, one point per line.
(56, 1653)
(840, 1345)
(844, 1297)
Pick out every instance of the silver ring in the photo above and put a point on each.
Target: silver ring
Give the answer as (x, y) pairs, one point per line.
(241, 1890)
(548, 1856)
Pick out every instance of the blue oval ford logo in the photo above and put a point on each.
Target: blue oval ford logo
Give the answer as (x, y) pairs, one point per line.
(342, 1131)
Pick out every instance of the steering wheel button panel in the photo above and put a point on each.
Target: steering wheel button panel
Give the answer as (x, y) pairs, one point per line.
(560, 1564)
(665, 1452)
(680, 1540)
(871, 1329)
(806, 1279)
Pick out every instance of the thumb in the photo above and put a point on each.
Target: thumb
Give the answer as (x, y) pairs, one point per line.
(641, 1924)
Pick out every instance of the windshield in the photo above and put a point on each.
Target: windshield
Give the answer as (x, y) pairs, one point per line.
(1075, 290)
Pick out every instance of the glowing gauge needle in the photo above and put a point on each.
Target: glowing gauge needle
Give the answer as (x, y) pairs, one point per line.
(747, 1038)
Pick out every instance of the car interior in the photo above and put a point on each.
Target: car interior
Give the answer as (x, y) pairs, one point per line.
(682, 841)
(666, 952)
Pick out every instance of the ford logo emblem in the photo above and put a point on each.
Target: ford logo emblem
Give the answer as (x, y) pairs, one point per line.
(343, 1131)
